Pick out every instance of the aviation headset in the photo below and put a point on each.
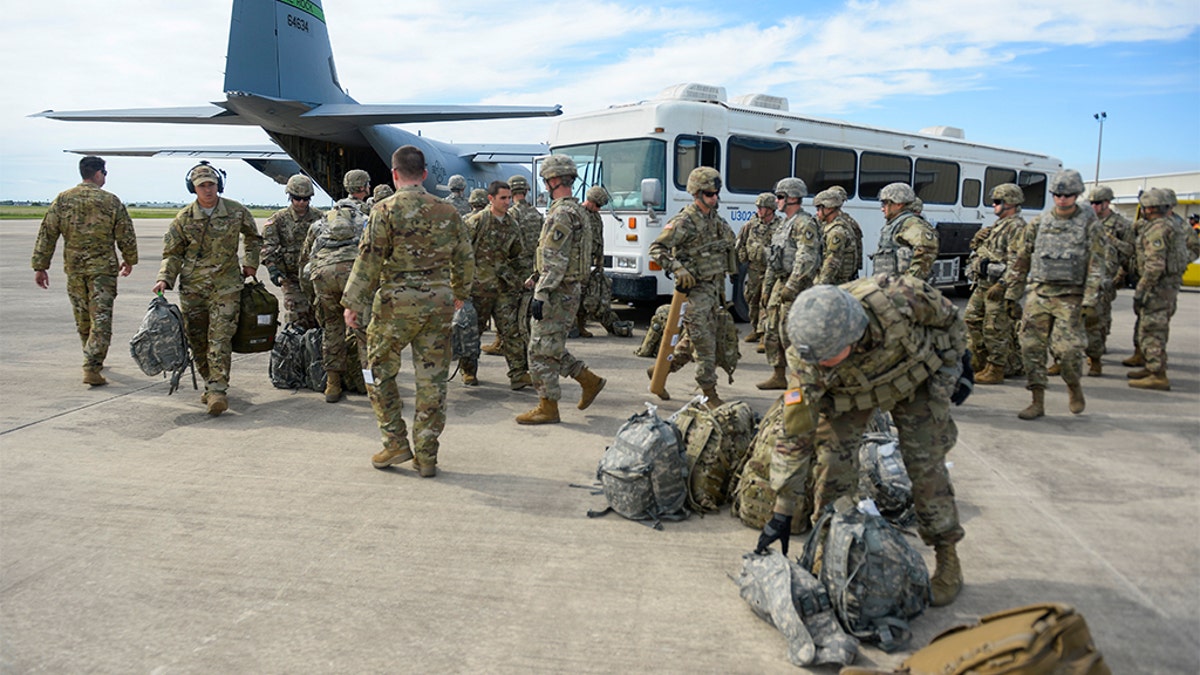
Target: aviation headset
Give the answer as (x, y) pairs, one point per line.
(220, 177)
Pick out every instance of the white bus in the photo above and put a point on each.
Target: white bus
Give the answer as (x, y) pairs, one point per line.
(642, 154)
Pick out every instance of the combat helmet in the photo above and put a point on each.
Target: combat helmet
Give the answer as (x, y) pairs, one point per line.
(830, 199)
(792, 187)
(356, 180)
(518, 183)
(823, 320)
(897, 193)
(1101, 193)
(457, 183)
(703, 179)
(478, 198)
(1009, 193)
(597, 195)
(1066, 182)
(382, 192)
(299, 185)
(558, 166)
(1155, 198)
(766, 200)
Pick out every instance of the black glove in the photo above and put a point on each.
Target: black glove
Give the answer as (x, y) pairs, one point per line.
(966, 381)
(778, 528)
(536, 308)
(276, 275)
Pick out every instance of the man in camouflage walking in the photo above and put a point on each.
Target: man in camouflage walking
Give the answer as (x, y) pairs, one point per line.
(1118, 249)
(752, 243)
(990, 318)
(841, 243)
(795, 261)
(283, 235)
(596, 303)
(93, 224)
(415, 266)
(529, 222)
(563, 256)
(200, 249)
(908, 244)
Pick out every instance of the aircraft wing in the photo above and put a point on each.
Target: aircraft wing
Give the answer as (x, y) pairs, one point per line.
(246, 152)
(407, 114)
(501, 152)
(202, 114)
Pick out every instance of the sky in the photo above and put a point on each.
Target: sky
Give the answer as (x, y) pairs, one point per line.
(1023, 74)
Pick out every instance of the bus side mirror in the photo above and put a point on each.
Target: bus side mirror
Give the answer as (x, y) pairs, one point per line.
(651, 192)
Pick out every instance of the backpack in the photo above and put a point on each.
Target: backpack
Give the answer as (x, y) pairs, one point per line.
(1041, 639)
(313, 359)
(160, 344)
(649, 346)
(715, 442)
(286, 367)
(752, 499)
(464, 332)
(877, 581)
(353, 380)
(258, 318)
(643, 474)
(883, 478)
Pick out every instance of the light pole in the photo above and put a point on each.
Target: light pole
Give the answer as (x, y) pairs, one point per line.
(1100, 117)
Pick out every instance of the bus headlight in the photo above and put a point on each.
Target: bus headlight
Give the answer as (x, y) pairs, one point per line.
(625, 263)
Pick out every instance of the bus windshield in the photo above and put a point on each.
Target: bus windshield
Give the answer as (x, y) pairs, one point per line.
(619, 166)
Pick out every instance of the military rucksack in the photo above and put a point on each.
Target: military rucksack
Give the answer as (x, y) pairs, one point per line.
(1178, 254)
(287, 367)
(882, 476)
(877, 581)
(752, 499)
(649, 346)
(643, 474)
(464, 332)
(314, 359)
(258, 319)
(160, 344)
(353, 380)
(715, 441)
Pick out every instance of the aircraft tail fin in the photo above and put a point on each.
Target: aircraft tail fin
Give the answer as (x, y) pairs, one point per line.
(280, 49)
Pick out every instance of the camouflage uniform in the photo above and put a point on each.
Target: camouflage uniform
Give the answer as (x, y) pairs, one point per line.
(326, 259)
(496, 292)
(529, 221)
(991, 330)
(906, 362)
(413, 262)
(842, 251)
(787, 282)
(283, 234)
(704, 246)
(1118, 244)
(752, 244)
(908, 245)
(93, 224)
(201, 251)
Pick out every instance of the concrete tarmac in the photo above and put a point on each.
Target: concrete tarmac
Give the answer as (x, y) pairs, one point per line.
(138, 534)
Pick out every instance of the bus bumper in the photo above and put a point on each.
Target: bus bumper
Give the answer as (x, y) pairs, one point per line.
(633, 287)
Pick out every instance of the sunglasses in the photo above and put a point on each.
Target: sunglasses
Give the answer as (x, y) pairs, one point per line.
(1060, 195)
(997, 202)
(708, 193)
(299, 199)
(780, 196)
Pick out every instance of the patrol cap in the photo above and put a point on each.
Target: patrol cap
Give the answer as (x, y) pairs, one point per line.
(1009, 193)
(558, 165)
(355, 180)
(792, 187)
(478, 197)
(204, 174)
(830, 199)
(1066, 182)
(1102, 193)
(897, 193)
(766, 200)
(518, 183)
(457, 182)
(299, 185)
(597, 195)
(823, 321)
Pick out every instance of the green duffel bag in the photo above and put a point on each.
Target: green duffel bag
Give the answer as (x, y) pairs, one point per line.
(258, 319)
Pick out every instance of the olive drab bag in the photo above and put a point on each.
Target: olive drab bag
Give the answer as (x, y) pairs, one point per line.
(312, 351)
(287, 367)
(353, 380)
(715, 441)
(752, 499)
(877, 581)
(464, 332)
(649, 346)
(1042, 639)
(160, 344)
(258, 319)
(643, 474)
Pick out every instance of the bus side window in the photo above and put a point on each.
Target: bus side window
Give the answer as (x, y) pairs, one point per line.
(878, 170)
(994, 176)
(1033, 184)
(822, 167)
(971, 190)
(692, 152)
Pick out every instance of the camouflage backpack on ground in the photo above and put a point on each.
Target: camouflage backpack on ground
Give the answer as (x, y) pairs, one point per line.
(287, 367)
(716, 441)
(877, 581)
(597, 295)
(314, 361)
(649, 346)
(883, 478)
(160, 345)
(464, 333)
(753, 500)
(644, 472)
(785, 595)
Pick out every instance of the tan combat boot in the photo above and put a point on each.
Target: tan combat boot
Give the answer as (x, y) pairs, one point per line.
(1157, 381)
(1136, 360)
(333, 386)
(1037, 408)
(753, 336)
(777, 381)
(1137, 374)
(1075, 402)
(546, 412)
(761, 348)
(1054, 369)
(92, 377)
(992, 374)
(1095, 369)
(389, 456)
(947, 578)
(592, 384)
(217, 403)
(494, 349)
(713, 401)
(521, 382)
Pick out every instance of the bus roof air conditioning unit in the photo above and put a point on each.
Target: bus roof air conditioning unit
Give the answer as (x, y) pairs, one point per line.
(765, 101)
(947, 132)
(691, 91)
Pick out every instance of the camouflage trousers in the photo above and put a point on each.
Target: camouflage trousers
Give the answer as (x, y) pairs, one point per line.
(775, 337)
(700, 321)
(210, 320)
(1052, 323)
(1099, 323)
(1154, 324)
(296, 306)
(991, 333)
(504, 310)
(328, 282)
(595, 302)
(926, 432)
(420, 318)
(752, 291)
(92, 304)
(548, 355)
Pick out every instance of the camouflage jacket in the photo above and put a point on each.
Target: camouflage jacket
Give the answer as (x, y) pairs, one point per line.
(529, 219)
(1119, 241)
(459, 202)
(93, 224)
(283, 238)
(908, 245)
(596, 228)
(994, 251)
(564, 249)
(701, 244)
(753, 240)
(806, 241)
(413, 241)
(1088, 253)
(498, 247)
(840, 251)
(202, 251)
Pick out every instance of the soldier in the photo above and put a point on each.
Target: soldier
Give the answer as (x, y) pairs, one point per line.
(381, 192)
(852, 224)
(478, 200)
(1165, 246)
(596, 303)
(852, 350)
(1062, 256)
(283, 234)
(529, 219)
(841, 244)
(497, 243)
(908, 244)
(457, 185)
(200, 249)
(415, 264)
(563, 255)
(1118, 244)
(93, 224)
(752, 244)
(697, 245)
(358, 187)
(327, 256)
(795, 257)
(991, 320)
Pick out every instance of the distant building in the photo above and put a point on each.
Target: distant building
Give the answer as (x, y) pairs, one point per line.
(1126, 190)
